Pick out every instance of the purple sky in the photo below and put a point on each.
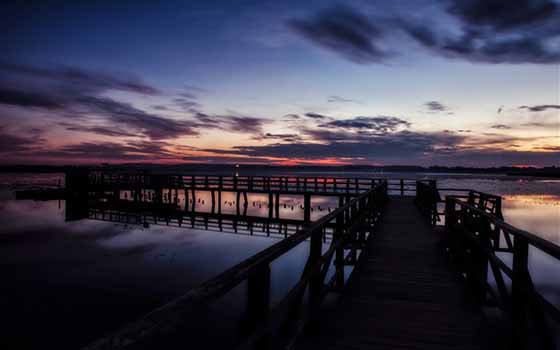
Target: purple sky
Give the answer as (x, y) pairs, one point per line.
(451, 82)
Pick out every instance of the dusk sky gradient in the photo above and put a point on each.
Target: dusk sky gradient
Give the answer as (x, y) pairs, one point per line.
(418, 82)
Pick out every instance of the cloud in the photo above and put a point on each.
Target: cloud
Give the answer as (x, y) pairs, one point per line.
(316, 116)
(500, 127)
(551, 148)
(379, 124)
(242, 124)
(539, 108)
(281, 137)
(74, 92)
(543, 124)
(339, 99)
(395, 147)
(404, 147)
(11, 142)
(28, 99)
(186, 104)
(436, 106)
(151, 125)
(344, 31)
(503, 14)
(488, 31)
(494, 31)
(99, 130)
(73, 78)
(114, 151)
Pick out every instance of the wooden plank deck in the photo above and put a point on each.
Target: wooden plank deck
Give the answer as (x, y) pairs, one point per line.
(402, 295)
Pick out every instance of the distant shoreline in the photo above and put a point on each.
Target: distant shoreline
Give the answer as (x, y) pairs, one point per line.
(550, 172)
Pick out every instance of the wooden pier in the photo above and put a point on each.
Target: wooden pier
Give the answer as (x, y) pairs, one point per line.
(402, 294)
(426, 269)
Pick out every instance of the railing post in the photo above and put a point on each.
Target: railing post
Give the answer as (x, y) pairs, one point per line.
(270, 205)
(451, 239)
(520, 291)
(258, 302)
(402, 187)
(479, 272)
(338, 236)
(315, 282)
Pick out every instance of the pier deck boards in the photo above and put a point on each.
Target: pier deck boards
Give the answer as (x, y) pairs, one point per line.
(402, 295)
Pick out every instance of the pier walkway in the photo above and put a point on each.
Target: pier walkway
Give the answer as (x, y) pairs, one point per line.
(402, 295)
(414, 283)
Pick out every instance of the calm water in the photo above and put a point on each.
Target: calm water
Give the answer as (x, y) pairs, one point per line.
(104, 274)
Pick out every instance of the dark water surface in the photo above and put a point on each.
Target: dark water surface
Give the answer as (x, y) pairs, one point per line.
(67, 283)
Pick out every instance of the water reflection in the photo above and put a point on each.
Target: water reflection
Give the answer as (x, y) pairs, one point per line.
(97, 268)
(536, 213)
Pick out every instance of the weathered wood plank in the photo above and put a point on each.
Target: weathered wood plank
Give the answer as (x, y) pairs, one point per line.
(402, 295)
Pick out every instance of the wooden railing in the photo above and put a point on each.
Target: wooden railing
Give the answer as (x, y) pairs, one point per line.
(285, 184)
(428, 199)
(475, 233)
(353, 221)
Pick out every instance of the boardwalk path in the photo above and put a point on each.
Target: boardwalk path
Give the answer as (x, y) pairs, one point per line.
(403, 294)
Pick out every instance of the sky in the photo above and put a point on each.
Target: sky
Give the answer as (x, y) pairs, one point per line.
(417, 82)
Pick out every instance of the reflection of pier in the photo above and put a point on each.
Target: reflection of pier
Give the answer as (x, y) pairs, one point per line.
(403, 293)
(168, 215)
(175, 200)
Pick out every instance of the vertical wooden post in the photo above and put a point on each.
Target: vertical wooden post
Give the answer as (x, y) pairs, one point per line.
(520, 291)
(258, 301)
(193, 195)
(307, 208)
(338, 236)
(220, 201)
(402, 187)
(277, 205)
(213, 201)
(237, 200)
(315, 282)
(270, 205)
(480, 263)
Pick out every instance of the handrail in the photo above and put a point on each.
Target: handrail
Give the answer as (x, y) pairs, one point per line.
(295, 183)
(473, 237)
(354, 221)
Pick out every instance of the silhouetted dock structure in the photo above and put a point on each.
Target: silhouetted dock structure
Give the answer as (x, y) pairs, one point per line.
(425, 267)
(402, 294)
